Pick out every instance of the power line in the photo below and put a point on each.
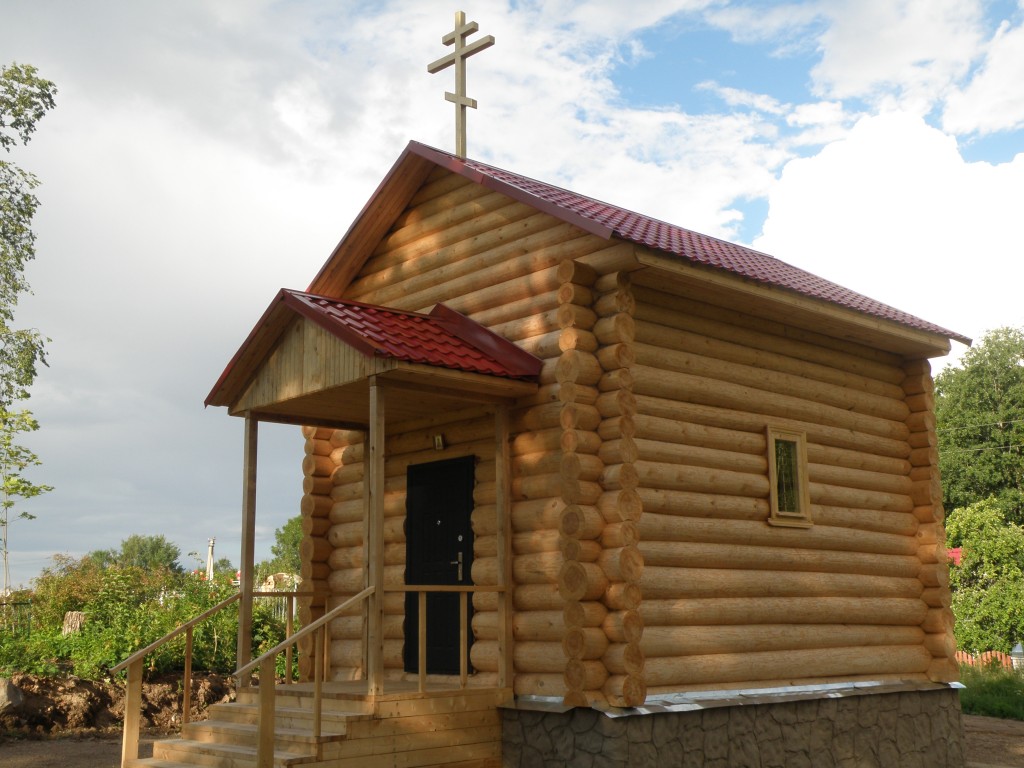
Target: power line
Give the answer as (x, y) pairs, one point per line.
(978, 426)
(982, 448)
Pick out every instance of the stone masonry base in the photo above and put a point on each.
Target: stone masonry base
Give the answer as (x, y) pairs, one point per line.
(905, 728)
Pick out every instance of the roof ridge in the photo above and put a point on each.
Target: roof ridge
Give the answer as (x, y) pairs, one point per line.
(607, 219)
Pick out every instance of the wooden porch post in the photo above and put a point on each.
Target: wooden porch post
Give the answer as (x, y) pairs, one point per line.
(248, 543)
(375, 536)
(504, 515)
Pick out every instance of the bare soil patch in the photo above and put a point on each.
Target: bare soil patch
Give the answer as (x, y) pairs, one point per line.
(63, 722)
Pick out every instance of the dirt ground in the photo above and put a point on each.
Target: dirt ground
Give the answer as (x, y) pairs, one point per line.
(990, 743)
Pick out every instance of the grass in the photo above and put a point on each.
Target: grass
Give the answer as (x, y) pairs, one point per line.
(992, 691)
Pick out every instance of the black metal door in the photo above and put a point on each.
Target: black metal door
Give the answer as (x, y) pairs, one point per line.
(438, 550)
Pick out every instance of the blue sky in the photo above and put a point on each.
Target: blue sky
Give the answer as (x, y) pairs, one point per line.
(205, 153)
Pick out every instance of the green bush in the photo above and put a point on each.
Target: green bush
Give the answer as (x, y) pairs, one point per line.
(128, 608)
(993, 691)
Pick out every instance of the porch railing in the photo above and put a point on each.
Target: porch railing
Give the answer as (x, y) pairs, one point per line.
(266, 663)
(134, 665)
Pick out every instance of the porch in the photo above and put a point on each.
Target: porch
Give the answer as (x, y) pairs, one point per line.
(445, 726)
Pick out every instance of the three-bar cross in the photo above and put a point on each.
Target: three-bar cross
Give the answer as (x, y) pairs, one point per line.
(458, 58)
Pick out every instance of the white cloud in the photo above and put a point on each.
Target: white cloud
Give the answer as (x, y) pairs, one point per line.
(893, 211)
(896, 54)
(994, 98)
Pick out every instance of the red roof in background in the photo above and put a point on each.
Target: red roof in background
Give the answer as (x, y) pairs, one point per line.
(605, 219)
(955, 554)
(444, 338)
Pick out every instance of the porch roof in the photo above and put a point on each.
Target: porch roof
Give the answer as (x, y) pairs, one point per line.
(456, 358)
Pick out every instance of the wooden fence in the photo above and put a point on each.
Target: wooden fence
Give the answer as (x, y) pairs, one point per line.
(986, 659)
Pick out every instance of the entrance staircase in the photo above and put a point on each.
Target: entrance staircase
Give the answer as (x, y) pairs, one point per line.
(455, 729)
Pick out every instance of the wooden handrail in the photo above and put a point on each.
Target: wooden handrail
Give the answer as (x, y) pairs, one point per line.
(175, 632)
(306, 630)
(133, 687)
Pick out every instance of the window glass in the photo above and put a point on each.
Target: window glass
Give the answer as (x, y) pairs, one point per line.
(787, 474)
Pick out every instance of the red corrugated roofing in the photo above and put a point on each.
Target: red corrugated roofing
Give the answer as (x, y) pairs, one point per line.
(675, 240)
(443, 338)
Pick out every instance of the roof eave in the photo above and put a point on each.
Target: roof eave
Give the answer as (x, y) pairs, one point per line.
(228, 383)
(907, 340)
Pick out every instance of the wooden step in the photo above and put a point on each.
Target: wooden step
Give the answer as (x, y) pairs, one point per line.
(302, 698)
(284, 717)
(246, 734)
(199, 753)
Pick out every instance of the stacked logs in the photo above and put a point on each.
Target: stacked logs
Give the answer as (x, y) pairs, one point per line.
(345, 535)
(472, 249)
(728, 600)
(579, 524)
(927, 495)
(501, 263)
(620, 504)
(466, 433)
(317, 466)
(548, 485)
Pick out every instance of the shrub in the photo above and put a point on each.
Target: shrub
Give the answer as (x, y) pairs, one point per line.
(993, 691)
(128, 608)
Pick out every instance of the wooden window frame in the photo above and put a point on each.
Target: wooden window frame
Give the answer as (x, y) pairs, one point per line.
(801, 517)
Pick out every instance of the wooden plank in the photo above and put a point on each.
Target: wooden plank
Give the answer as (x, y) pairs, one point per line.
(504, 553)
(467, 700)
(421, 747)
(265, 723)
(391, 726)
(132, 714)
(375, 486)
(251, 443)
(421, 635)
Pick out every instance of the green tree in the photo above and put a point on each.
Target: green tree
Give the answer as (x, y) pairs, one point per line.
(24, 100)
(149, 553)
(988, 585)
(285, 549)
(979, 413)
(14, 460)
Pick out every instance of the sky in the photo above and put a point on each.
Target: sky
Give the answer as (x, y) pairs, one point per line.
(204, 154)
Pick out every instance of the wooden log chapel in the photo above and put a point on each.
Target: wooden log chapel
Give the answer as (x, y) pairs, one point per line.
(616, 463)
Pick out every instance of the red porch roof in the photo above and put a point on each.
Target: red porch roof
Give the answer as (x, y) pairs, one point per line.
(443, 338)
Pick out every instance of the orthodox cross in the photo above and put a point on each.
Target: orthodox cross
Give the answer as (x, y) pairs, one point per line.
(458, 57)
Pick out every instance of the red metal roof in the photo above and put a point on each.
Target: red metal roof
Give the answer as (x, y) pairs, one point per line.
(444, 338)
(605, 220)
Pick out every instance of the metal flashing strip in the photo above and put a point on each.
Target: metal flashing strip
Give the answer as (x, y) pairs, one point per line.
(699, 700)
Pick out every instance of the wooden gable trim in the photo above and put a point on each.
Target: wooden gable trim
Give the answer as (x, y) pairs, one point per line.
(384, 206)
(307, 359)
(257, 345)
(667, 272)
(396, 192)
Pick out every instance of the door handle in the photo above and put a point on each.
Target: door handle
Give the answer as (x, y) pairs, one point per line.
(458, 563)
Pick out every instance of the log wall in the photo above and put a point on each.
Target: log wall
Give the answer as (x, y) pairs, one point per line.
(509, 268)
(317, 466)
(466, 433)
(930, 536)
(728, 601)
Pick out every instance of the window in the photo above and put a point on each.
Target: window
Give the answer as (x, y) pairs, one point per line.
(787, 476)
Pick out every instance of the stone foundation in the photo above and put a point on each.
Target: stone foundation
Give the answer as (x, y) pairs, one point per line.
(905, 728)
